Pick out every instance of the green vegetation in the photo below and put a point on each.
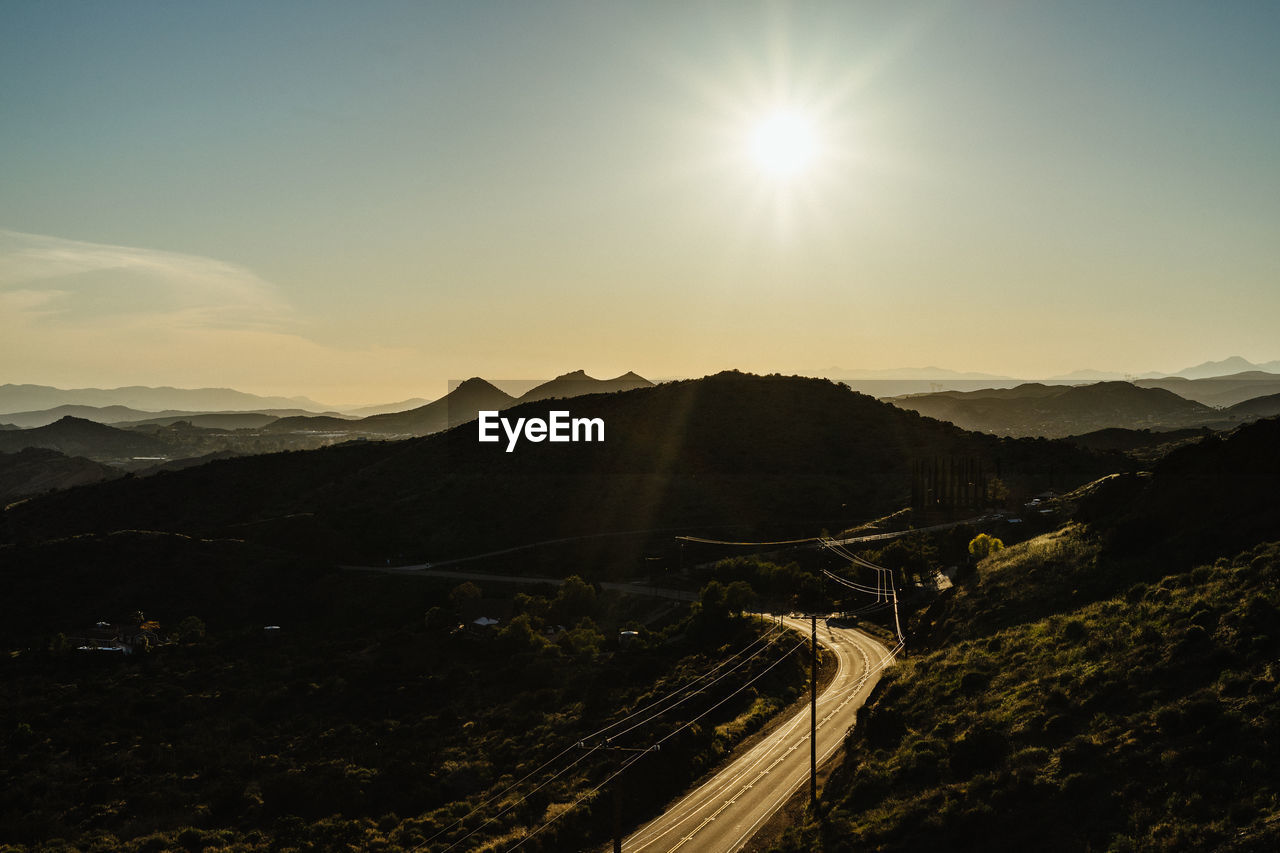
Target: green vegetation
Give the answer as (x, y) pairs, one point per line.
(1110, 684)
(1100, 687)
(1144, 721)
(984, 545)
(1056, 411)
(369, 721)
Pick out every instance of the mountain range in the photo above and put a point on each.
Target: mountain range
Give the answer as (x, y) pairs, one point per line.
(1219, 390)
(25, 398)
(126, 417)
(1226, 367)
(757, 454)
(1056, 411)
(463, 404)
(35, 469)
(172, 436)
(79, 437)
(150, 402)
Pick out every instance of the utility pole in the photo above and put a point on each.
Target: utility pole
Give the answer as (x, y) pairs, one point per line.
(617, 817)
(813, 710)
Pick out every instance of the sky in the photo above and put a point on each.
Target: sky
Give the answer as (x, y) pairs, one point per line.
(361, 202)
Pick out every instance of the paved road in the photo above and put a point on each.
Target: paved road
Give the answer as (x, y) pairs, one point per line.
(723, 813)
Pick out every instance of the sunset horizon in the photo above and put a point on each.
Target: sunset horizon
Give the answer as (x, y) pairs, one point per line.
(360, 205)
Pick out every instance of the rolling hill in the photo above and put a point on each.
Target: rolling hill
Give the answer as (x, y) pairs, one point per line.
(35, 470)
(756, 454)
(98, 414)
(461, 405)
(1219, 390)
(457, 407)
(21, 398)
(1257, 407)
(1107, 686)
(1055, 411)
(577, 383)
(1231, 365)
(78, 437)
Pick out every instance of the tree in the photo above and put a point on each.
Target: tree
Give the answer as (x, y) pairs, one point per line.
(463, 595)
(714, 608)
(576, 599)
(997, 491)
(191, 629)
(518, 636)
(739, 596)
(984, 545)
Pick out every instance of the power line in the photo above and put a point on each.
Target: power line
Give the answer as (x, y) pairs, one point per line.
(767, 638)
(691, 695)
(520, 801)
(659, 742)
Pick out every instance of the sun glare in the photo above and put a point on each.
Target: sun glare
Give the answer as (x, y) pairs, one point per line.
(783, 144)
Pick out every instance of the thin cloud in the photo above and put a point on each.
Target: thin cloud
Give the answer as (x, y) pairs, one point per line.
(74, 313)
(81, 282)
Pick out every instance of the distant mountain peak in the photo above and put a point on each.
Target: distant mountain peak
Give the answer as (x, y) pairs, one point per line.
(1232, 364)
(578, 382)
(72, 420)
(475, 383)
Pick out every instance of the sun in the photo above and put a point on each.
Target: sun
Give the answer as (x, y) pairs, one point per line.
(783, 144)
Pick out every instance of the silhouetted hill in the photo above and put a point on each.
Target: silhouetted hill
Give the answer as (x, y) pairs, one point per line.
(1258, 407)
(578, 383)
(1219, 390)
(1057, 411)
(98, 414)
(21, 398)
(1228, 366)
(457, 407)
(78, 437)
(755, 453)
(1024, 391)
(1210, 498)
(1116, 438)
(37, 469)
(205, 420)
(182, 464)
(387, 408)
(312, 423)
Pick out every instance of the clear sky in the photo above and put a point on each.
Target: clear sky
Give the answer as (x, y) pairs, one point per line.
(360, 201)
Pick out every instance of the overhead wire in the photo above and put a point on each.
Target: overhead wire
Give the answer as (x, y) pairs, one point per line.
(885, 591)
(659, 742)
(767, 638)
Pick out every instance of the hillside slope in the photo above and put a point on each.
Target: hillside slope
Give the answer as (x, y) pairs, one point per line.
(578, 383)
(457, 407)
(78, 437)
(1055, 411)
(35, 470)
(1219, 390)
(1110, 686)
(1257, 407)
(764, 454)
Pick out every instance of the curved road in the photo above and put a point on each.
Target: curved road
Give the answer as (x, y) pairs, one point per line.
(723, 813)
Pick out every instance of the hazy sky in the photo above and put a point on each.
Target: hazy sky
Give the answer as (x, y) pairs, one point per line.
(360, 201)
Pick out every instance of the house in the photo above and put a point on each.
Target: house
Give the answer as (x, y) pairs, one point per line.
(486, 614)
(124, 638)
